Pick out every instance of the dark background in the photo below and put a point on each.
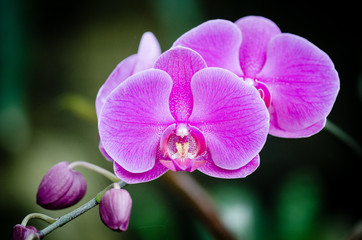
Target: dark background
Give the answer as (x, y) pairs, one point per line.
(54, 56)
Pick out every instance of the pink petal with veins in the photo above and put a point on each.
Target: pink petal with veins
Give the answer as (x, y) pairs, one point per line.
(217, 41)
(303, 83)
(231, 115)
(181, 64)
(133, 119)
(256, 33)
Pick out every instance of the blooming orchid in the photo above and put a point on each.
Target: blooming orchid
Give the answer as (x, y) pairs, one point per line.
(206, 104)
(296, 79)
(182, 116)
(148, 51)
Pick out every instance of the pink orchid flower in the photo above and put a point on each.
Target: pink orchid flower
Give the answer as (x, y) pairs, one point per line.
(297, 80)
(181, 116)
(148, 51)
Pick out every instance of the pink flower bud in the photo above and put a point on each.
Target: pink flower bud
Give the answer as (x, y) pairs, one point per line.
(115, 209)
(21, 232)
(61, 187)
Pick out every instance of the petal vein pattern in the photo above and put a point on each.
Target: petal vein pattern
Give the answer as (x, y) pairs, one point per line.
(217, 41)
(231, 115)
(181, 64)
(256, 34)
(148, 51)
(133, 119)
(304, 84)
(296, 80)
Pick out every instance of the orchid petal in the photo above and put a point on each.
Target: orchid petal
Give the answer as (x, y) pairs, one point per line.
(123, 70)
(133, 119)
(181, 64)
(130, 178)
(214, 171)
(303, 85)
(256, 33)
(217, 41)
(231, 115)
(148, 52)
(306, 132)
(104, 153)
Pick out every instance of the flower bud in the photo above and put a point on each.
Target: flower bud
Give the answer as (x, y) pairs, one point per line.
(61, 187)
(21, 232)
(115, 209)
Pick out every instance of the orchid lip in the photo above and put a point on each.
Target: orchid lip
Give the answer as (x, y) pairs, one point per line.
(262, 88)
(183, 147)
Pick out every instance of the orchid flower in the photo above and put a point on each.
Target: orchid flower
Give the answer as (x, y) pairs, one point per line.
(148, 51)
(297, 80)
(182, 116)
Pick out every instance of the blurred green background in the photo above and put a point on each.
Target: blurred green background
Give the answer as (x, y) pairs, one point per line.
(54, 56)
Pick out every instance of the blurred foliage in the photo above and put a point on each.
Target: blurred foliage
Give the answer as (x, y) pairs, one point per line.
(79, 105)
(14, 126)
(240, 211)
(298, 208)
(54, 56)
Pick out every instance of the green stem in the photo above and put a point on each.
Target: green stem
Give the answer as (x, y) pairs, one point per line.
(37, 215)
(96, 169)
(344, 137)
(114, 185)
(75, 213)
(32, 237)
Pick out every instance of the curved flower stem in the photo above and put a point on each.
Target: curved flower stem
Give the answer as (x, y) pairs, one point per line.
(96, 169)
(195, 196)
(344, 137)
(73, 214)
(39, 216)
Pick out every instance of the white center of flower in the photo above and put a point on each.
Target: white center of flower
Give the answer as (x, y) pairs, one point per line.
(249, 81)
(183, 147)
(182, 131)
